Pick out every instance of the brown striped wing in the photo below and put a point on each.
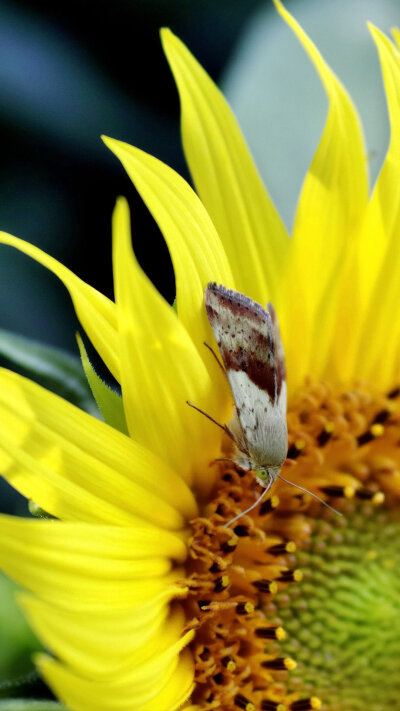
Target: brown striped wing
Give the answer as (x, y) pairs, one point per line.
(245, 335)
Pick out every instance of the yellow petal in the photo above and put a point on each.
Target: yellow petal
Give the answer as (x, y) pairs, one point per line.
(165, 693)
(95, 312)
(331, 206)
(95, 540)
(227, 180)
(89, 644)
(378, 357)
(160, 367)
(136, 625)
(54, 492)
(69, 574)
(75, 466)
(396, 36)
(196, 250)
(100, 649)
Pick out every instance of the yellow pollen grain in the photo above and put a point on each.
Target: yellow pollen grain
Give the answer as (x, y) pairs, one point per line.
(297, 576)
(349, 492)
(281, 707)
(290, 664)
(300, 443)
(371, 555)
(274, 502)
(273, 588)
(249, 607)
(231, 666)
(378, 498)
(225, 581)
(280, 634)
(329, 427)
(291, 547)
(315, 702)
(377, 429)
(250, 707)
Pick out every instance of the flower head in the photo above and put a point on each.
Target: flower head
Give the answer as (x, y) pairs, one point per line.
(144, 598)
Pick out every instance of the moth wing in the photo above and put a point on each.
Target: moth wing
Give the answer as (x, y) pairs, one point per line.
(280, 366)
(259, 429)
(245, 336)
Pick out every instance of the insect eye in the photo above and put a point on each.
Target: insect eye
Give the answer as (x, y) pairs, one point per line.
(262, 474)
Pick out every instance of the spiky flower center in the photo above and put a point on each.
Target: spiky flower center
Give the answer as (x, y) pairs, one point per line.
(294, 606)
(343, 621)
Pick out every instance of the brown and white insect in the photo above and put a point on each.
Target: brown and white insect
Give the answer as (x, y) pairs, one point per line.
(250, 345)
(251, 350)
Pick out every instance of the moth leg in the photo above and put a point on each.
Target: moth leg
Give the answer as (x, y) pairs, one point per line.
(225, 428)
(216, 358)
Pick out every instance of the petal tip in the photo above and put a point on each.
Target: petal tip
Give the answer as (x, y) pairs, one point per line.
(166, 33)
(373, 28)
(172, 44)
(106, 139)
(167, 36)
(280, 7)
(121, 217)
(112, 143)
(121, 203)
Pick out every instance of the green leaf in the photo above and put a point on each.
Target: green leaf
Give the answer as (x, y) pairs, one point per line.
(30, 705)
(51, 367)
(109, 402)
(18, 642)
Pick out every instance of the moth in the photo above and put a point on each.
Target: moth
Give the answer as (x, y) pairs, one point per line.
(250, 345)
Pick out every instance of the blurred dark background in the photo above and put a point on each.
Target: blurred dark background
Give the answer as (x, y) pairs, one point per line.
(70, 71)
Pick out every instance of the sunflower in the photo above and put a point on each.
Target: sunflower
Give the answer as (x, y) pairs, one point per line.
(143, 597)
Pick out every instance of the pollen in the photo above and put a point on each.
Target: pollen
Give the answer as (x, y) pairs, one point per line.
(286, 601)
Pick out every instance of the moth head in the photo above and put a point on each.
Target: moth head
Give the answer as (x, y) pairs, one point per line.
(267, 475)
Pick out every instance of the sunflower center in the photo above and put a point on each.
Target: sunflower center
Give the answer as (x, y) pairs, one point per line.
(294, 605)
(343, 620)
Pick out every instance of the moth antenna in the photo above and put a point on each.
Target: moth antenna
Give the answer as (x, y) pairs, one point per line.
(216, 358)
(246, 511)
(311, 494)
(223, 427)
